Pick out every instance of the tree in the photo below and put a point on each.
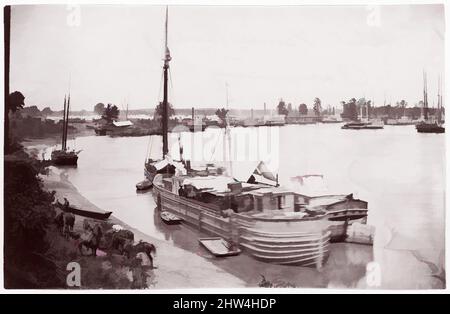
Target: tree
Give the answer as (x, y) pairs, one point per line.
(303, 109)
(317, 106)
(16, 101)
(350, 110)
(222, 114)
(99, 108)
(403, 104)
(289, 107)
(110, 113)
(282, 108)
(47, 111)
(159, 110)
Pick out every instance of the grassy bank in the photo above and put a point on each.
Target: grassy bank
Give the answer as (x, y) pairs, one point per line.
(36, 253)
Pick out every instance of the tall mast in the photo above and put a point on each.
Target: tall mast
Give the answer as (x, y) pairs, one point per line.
(425, 96)
(439, 106)
(165, 120)
(67, 122)
(441, 102)
(64, 126)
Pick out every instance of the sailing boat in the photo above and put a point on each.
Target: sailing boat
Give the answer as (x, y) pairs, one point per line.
(254, 213)
(64, 156)
(165, 165)
(428, 126)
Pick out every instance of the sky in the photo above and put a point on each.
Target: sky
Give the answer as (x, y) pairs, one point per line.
(113, 54)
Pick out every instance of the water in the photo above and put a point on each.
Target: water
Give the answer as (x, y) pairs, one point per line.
(399, 172)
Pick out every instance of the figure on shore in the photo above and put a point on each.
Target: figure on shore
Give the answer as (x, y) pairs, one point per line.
(91, 238)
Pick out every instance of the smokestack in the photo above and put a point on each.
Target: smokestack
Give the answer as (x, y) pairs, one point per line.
(192, 114)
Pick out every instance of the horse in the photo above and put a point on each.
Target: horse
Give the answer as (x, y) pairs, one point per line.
(65, 222)
(120, 239)
(142, 246)
(93, 241)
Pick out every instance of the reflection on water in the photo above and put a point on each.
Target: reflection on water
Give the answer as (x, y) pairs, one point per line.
(398, 171)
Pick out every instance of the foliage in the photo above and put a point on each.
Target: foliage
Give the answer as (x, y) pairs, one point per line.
(317, 107)
(350, 110)
(16, 101)
(110, 113)
(303, 109)
(222, 114)
(282, 110)
(159, 111)
(99, 108)
(28, 214)
(47, 111)
(34, 127)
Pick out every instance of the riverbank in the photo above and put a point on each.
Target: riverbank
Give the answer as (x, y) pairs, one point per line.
(192, 272)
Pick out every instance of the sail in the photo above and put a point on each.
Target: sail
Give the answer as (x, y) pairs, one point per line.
(262, 174)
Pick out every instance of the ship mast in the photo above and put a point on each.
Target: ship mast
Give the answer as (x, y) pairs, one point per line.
(439, 106)
(67, 122)
(165, 120)
(425, 96)
(63, 142)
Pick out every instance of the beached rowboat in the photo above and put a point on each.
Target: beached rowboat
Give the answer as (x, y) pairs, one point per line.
(85, 213)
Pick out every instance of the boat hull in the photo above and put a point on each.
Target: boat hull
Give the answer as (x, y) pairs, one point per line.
(63, 159)
(302, 242)
(429, 128)
(87, 213)
(144, 185)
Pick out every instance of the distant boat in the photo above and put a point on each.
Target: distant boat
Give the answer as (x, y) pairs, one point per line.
(331, 120)
(65, 157)
(219, 247)
(363, 126)
(427, 126)
(170, 218)
(404, 120)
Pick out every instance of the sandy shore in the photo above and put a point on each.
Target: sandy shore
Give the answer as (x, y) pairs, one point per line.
(196, 271)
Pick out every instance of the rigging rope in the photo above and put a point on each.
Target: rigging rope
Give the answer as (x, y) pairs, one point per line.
(215, 146)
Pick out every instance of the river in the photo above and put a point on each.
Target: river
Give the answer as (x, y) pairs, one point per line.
(399, 172)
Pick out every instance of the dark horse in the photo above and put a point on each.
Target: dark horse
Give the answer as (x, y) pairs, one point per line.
(93, 240)
(64, 222)
(131, 250)
(120, 239)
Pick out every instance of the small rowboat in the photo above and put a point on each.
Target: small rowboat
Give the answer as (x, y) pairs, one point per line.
(219, 247)
(143, 185)
(170, 218)
(85, 213)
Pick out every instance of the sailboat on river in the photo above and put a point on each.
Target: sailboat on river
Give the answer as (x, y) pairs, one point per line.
(64, 156)
(428, 125)
(267, 221)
